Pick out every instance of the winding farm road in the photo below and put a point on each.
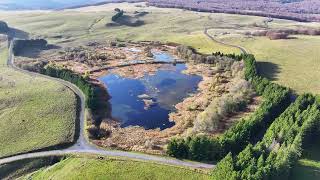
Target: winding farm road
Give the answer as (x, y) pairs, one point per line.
(242, 49)
(82, 145)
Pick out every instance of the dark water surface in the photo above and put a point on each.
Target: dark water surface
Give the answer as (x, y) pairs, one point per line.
(166, 88)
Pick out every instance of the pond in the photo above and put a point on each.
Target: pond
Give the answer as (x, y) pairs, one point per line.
(165, 57)
(148, 101)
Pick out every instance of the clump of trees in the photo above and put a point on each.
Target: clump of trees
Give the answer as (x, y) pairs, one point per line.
(248, 130)
(284, 33)
(117, 15)
(35, 66)
(280, 148)
(190, 54)
(277, 35)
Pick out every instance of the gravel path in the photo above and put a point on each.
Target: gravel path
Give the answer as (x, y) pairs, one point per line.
(242, 49)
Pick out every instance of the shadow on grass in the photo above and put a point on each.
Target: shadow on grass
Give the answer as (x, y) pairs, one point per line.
(23, 167)
(18, 34)
(268, 70)
(311, 152)
(311, 149)
(304, 172)
(30, 52)
(34, 52)
(126, 20)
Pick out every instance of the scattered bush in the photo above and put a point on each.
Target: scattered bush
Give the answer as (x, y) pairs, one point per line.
(277, 35)
(236, 100)
(284, 33)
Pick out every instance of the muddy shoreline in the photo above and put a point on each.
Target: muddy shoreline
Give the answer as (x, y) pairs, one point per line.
(219, 74)
(154, 141)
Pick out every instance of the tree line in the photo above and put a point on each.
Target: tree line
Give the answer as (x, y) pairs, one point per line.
(280, 148)
(247, 130)
(81, 82)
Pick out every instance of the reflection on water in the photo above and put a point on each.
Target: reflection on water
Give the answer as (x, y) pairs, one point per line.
(160, 56)
(147, 101)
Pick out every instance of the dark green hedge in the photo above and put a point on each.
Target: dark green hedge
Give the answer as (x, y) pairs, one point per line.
(249, 130)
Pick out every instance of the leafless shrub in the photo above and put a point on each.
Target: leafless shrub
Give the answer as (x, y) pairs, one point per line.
(259, 33)
(277, 35)
(283, 33)
(210, 119)
(237, 69)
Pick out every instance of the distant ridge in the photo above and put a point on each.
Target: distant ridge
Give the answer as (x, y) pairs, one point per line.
(55, 4)
(102, 3)
(298, 10)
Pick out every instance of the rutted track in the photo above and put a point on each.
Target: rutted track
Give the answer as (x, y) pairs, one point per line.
(96, 21)
(82, 145)
(242, 49)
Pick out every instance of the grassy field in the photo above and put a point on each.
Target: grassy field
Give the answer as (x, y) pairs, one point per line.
(292, 62)
(173, 25)
(92, 168)
(34, 112)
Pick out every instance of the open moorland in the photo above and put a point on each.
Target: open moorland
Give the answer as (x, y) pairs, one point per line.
(188, 30)
(195, 91)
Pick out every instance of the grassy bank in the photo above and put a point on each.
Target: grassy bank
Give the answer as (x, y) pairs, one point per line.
(94, 168)
(35, 112)
(20, 168)
(291, 62)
